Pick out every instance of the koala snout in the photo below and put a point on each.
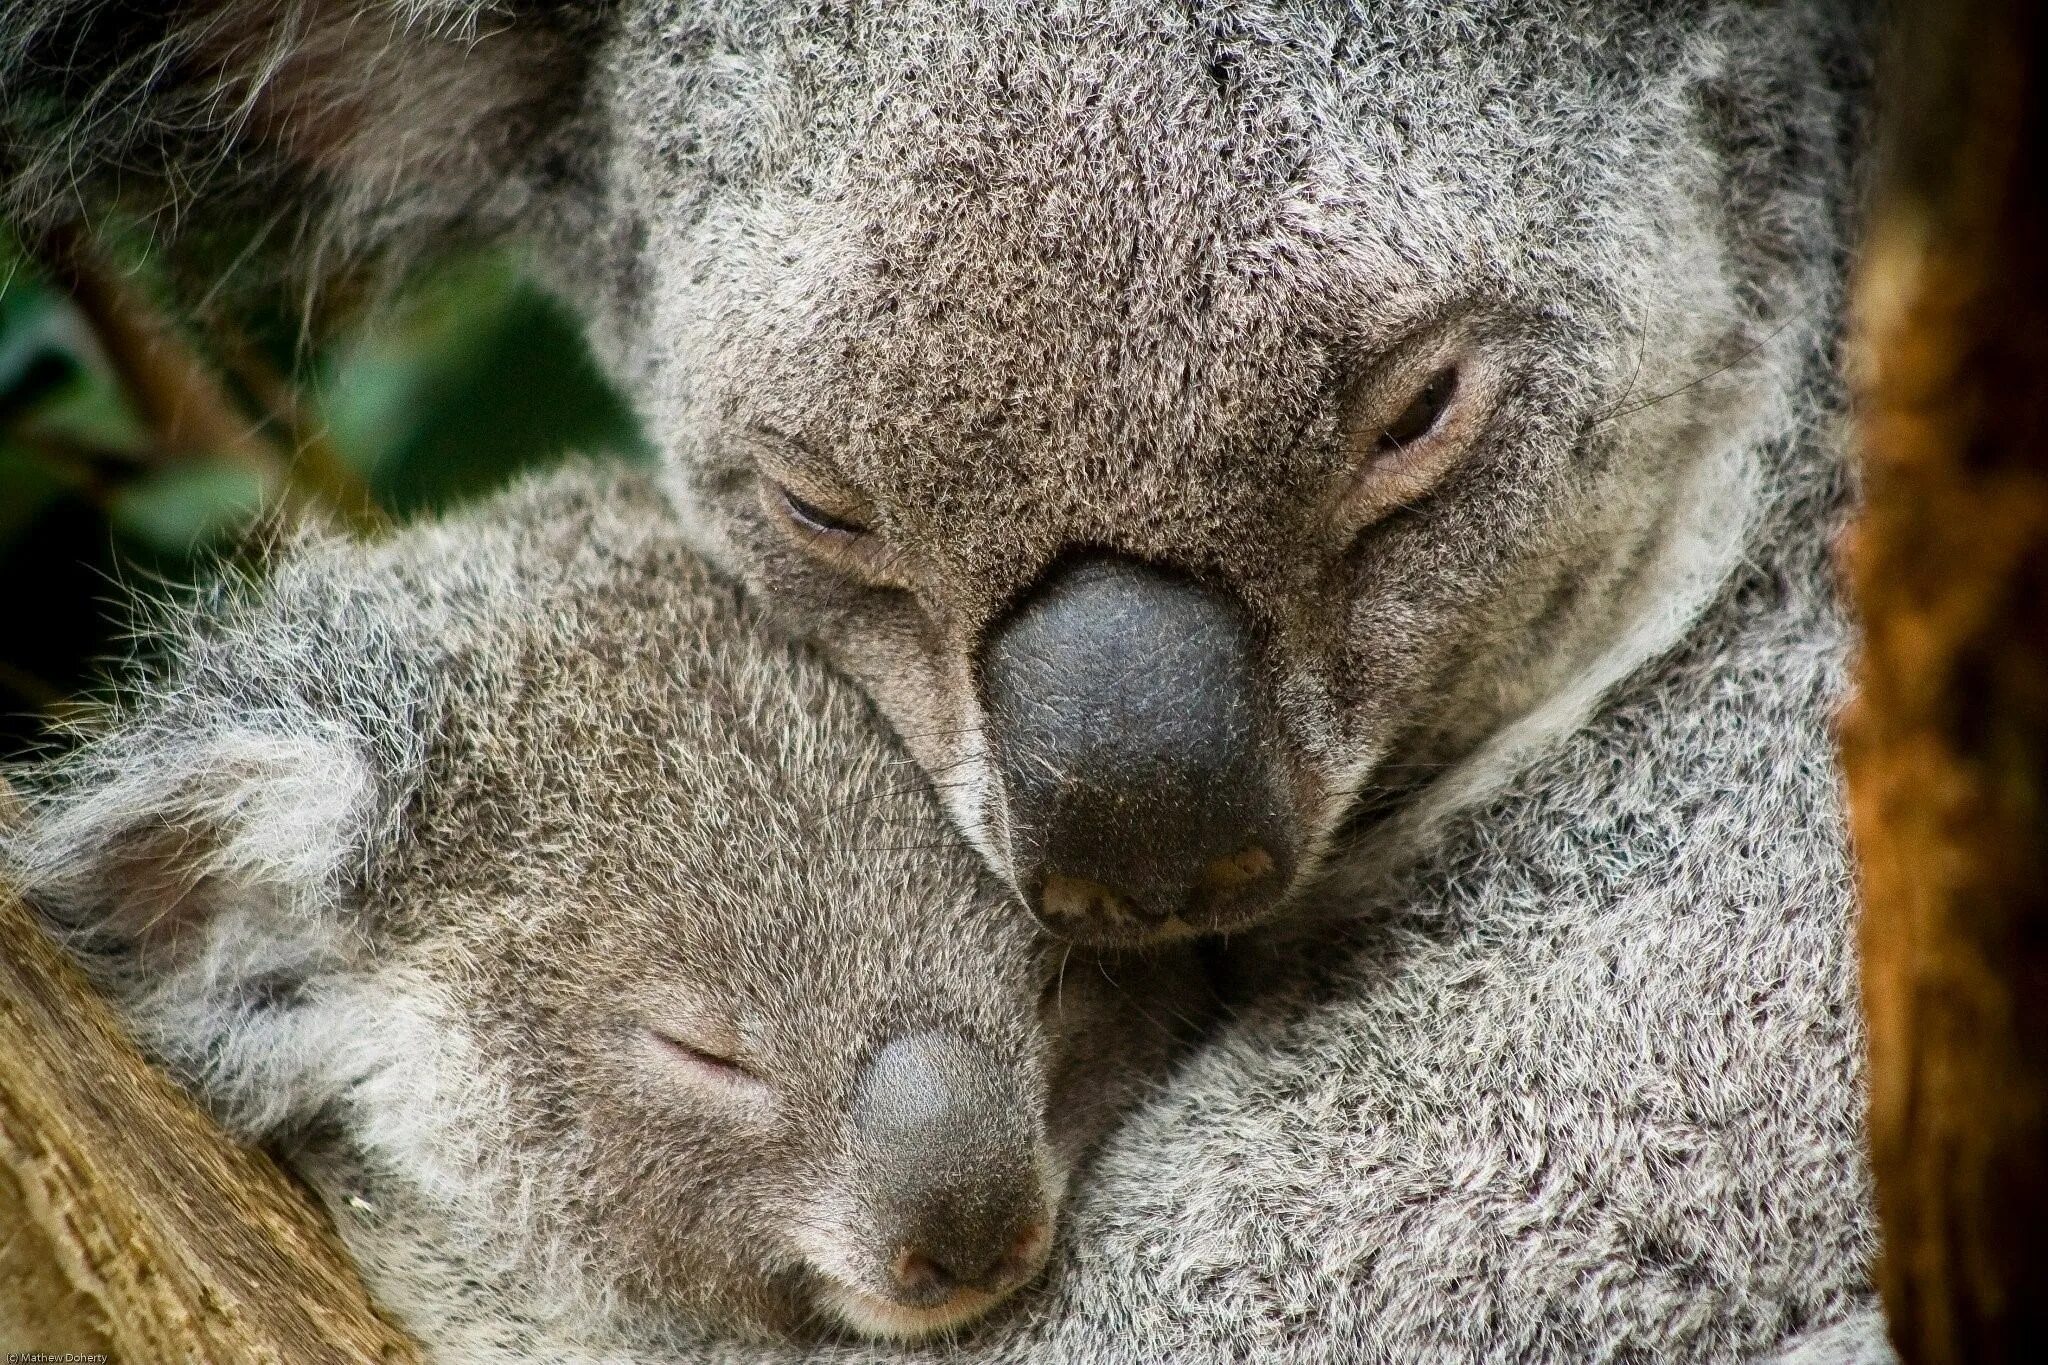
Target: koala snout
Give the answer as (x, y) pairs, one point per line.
(952, 1172)
(1141, 782)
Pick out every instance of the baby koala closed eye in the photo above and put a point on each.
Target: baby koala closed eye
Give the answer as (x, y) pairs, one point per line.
(594, 955)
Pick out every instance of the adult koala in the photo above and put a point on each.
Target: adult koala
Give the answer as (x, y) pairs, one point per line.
(1195, 429)
(1379, 458)
(1197, 425)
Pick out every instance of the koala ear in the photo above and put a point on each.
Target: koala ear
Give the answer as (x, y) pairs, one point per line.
(370, 115)
(444, 93)
(158, 845)
(202, 875)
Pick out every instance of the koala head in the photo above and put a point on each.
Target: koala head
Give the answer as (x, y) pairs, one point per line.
(1197, 425)
(733, 974)
(617, 935)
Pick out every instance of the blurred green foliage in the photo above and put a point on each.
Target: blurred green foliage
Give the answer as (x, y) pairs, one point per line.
(471, 375)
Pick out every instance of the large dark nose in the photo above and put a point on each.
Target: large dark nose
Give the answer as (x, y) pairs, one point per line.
(1136, 754)
(950, 1152)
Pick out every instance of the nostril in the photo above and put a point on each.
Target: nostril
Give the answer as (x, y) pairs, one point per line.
(923, 1276)
(919, 1276)
(1232, 871)
(1068, 901)
(1237, 880)
(1079, 899)
(1026, 1251)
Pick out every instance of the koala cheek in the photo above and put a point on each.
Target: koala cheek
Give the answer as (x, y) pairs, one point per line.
(1327, 745)
(928, 697)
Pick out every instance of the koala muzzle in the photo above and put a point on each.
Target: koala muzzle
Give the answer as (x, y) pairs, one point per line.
(949, 1154)
(1143, 787)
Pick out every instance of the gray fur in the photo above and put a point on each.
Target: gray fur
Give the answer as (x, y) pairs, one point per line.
(1142, 278)
(311, 134)
(1575, 1071)
(1576, 1077)
(1858, 1340)
(1015, 278)
(406, 850)
(1586, 1081)
(1567, 1091)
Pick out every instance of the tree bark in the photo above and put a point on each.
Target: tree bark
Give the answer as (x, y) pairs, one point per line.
(1946, 747)
(131, 1226)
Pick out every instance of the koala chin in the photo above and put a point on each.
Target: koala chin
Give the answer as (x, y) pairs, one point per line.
(592, 952)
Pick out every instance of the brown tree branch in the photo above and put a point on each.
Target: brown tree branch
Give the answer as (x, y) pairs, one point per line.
(175, 394)
(1947, 745)
(188, 410)
(129, 1223)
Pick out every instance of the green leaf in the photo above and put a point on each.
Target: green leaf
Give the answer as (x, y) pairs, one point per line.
(187, 507)
(27, 486)
(52, 375)
(489, 376)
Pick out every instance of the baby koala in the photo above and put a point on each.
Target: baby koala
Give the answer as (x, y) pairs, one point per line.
(595, 955)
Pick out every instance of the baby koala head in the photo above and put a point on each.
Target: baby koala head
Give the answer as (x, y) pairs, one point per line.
(760, 1042)
(765, 1038)
(515, 876)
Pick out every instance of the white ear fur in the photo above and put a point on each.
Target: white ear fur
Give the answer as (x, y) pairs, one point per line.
(199, 877)
(153, 843)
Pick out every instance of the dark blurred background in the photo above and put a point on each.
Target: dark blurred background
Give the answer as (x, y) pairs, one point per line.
(137, 452)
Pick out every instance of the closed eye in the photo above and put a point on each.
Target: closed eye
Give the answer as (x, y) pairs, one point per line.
(1403, 453)
(816, 519)
(837, 531)
(706, 1062)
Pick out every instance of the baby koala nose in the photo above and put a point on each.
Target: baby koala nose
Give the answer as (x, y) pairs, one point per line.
(951, 1159)
(1133, 739)
(931, 1267)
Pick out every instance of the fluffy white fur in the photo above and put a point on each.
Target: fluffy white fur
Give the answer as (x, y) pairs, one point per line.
(1563, 1063)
